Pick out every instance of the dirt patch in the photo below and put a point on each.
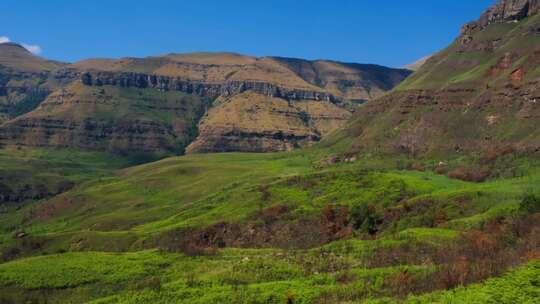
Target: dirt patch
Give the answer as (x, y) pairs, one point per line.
(470, 174)
(517, 76)
(504, 63)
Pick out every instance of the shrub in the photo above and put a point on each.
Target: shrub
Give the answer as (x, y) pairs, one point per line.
(366, 217)
(530, 203)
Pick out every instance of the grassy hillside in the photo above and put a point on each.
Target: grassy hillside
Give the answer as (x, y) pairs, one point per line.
(16, 57)
(305, 231)
(478, 95)
(25, 80)
(475, 64)
(236, 276)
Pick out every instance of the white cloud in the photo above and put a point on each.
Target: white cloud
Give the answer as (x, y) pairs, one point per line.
(34, 49)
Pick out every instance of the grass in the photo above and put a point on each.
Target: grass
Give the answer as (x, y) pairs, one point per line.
(195, 191)
(519, 286)
(117, 211)
(84, 233)
(70, 270)
(385, 233)
(231, 276)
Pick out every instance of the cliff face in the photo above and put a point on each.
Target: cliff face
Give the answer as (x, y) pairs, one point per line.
(509, 10)
(502, 12)
(155, 104)
(220, 70)
(228, 88)
(482, 92)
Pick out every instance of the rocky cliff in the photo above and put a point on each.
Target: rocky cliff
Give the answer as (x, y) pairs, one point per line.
(503, 11)
(228, 88)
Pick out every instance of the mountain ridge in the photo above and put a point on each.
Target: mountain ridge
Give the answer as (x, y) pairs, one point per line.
(336, 86)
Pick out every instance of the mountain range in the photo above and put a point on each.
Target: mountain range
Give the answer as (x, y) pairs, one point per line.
(200, 102)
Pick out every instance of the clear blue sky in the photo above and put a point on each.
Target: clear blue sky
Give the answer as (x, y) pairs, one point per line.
(391, 33)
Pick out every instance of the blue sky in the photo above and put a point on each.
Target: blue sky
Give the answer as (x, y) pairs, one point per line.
(391, 33)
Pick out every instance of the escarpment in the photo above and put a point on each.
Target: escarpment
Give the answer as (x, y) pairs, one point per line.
(228, 88)
(202, 102)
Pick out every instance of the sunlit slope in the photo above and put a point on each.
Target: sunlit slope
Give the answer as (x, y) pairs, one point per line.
(480, 93)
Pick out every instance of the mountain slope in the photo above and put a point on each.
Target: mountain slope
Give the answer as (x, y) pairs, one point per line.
(26, 80)
(480, 93)
(109, 118)
(288, 96)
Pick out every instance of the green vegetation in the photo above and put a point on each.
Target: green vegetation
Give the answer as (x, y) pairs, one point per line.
(519, 286)
(530, 202)
(366, 215)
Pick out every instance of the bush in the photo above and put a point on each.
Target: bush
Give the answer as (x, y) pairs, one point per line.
(530, 203)
(366, 217)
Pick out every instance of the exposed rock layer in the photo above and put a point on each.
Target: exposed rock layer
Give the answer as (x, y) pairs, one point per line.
(108, 118)
(166, 83)
(504, 11)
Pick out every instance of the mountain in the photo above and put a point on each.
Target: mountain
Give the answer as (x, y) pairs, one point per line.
(26, 80)
(482, 93)
(16, 57)
(207, 101)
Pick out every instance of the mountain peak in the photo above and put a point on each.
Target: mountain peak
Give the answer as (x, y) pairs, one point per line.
(13, 47)
(17, 57)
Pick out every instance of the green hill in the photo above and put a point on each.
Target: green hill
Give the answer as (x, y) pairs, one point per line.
(479, 94)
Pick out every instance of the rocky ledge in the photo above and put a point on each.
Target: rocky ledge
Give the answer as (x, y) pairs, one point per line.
(503, 11)
(229, 88)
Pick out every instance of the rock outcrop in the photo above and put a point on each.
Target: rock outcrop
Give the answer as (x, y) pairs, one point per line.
(504, 11)
(229, 88)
